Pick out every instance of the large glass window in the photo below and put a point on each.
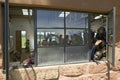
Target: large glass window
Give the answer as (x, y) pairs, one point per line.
(61, 37)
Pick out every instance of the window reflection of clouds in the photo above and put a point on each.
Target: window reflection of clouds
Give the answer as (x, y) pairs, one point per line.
(47, 18)
(76, 20)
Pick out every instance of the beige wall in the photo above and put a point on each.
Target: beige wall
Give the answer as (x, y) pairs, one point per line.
(81, 5)
(84, 71)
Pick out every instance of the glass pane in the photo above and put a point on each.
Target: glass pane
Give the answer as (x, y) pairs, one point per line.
(50, 55)
(50, 37)
(49, 19)
(50, 46)
(76, 20)
(76, 36)
(77, 53)
(78, 49)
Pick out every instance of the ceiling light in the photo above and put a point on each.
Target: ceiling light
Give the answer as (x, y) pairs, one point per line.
(98, 17)
(23, 32)
(25, 11)
(62, 14)
(38, 33)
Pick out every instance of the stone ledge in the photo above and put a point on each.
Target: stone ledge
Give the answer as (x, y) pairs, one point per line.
(86, 77)
(114, 75)
(37, 73)
(73, 69)
(69, 71)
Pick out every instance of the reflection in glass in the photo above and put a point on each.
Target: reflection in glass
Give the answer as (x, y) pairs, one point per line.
(50, 46)
(77, 20)
(50, 55)
(77, 53)
(49, 19)
(76, 36)
(50, 37)
(61, 37)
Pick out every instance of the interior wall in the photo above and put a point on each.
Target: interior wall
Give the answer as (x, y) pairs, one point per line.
(25, 24)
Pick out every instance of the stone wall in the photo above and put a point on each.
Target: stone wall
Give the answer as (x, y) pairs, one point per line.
(84, 71)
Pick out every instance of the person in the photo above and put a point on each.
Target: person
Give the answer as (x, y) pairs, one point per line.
(45, 43)
(27, 48)
(92, 36)
(67, 40)
(98, 50)
(94, 49)
(16, 56)
(60, 40)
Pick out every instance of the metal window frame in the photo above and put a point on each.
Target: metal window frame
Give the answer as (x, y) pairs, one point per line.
(6, 37)
(64, 28)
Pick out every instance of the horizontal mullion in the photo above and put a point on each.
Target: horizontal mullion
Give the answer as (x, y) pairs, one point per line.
(61, 28)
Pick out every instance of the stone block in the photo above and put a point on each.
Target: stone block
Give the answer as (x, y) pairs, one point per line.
(117, 58)
(97, 68)
(114, 75)
(86, 77)
(36, 73)
(47, 73)
(73, 70)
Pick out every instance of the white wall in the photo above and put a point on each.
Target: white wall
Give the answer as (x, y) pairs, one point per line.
(22, 23)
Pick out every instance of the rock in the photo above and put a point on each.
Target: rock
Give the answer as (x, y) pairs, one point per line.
(97, 68)
(73, 70)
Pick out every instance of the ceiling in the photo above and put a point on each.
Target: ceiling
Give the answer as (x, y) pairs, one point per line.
(16, 12)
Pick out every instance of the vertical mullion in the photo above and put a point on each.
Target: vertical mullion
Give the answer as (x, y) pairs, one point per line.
(6, 38)
(35, 38)
(89, 32)
(114, 26)
(65, 54)
(89, 29)
(107, 34)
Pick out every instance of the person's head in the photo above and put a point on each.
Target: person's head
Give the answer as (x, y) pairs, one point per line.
(28, 40)
(61, 36)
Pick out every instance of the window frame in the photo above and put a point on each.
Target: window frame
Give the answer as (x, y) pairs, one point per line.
(65, 28)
